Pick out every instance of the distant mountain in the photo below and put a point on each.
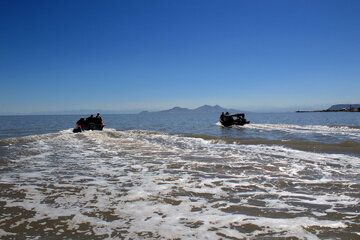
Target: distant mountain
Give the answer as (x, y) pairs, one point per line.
(208, 108)
(176, 110)
(202, 109)
(339, 107)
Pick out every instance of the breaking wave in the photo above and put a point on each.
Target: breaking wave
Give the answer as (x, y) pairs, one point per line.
(140, 184)
(352, 132)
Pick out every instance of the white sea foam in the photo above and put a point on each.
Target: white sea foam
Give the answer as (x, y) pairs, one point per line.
(152, 185)
(353, 133)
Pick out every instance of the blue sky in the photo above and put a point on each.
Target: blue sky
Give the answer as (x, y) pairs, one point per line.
(150, 55)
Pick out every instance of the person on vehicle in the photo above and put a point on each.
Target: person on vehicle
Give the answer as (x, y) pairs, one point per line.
(222, 116)
(81, 121)
(98, 119)
(90, 119)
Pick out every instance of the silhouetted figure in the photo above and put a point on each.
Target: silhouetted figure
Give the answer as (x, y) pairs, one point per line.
(98, 119)
(81, 121)
(90, 119)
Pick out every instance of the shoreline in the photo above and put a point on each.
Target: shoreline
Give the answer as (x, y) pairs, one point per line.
(301, 111)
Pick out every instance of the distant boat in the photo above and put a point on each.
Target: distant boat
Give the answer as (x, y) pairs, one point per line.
(228, 120)
(90, 123)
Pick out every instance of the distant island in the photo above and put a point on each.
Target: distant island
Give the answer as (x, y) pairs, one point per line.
(202, 109)
(338, 108)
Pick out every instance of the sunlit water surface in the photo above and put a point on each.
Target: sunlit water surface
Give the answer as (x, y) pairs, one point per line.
(284, 176)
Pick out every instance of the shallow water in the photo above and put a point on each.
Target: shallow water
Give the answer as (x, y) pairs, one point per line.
(266, 180)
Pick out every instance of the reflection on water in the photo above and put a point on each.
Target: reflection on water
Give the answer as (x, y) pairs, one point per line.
(140, 184)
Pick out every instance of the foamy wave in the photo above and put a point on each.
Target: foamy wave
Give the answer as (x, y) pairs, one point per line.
(140, 184)
(308, 129)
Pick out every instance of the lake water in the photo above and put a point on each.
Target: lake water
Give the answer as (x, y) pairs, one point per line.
(172, 176)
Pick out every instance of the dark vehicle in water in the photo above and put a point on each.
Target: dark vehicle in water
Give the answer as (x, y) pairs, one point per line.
(91, 123)
(228, 120)
(89, 126)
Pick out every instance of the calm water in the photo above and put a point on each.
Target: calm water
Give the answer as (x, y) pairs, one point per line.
(284, 176)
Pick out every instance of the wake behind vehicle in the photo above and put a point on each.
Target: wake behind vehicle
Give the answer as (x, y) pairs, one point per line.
(91, 123)
(228, 120)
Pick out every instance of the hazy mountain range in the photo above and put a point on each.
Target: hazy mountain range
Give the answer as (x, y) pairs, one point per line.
(338, 107)
(202, 109)
(85, 112)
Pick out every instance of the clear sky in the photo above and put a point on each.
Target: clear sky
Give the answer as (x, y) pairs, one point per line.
(157, 54)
